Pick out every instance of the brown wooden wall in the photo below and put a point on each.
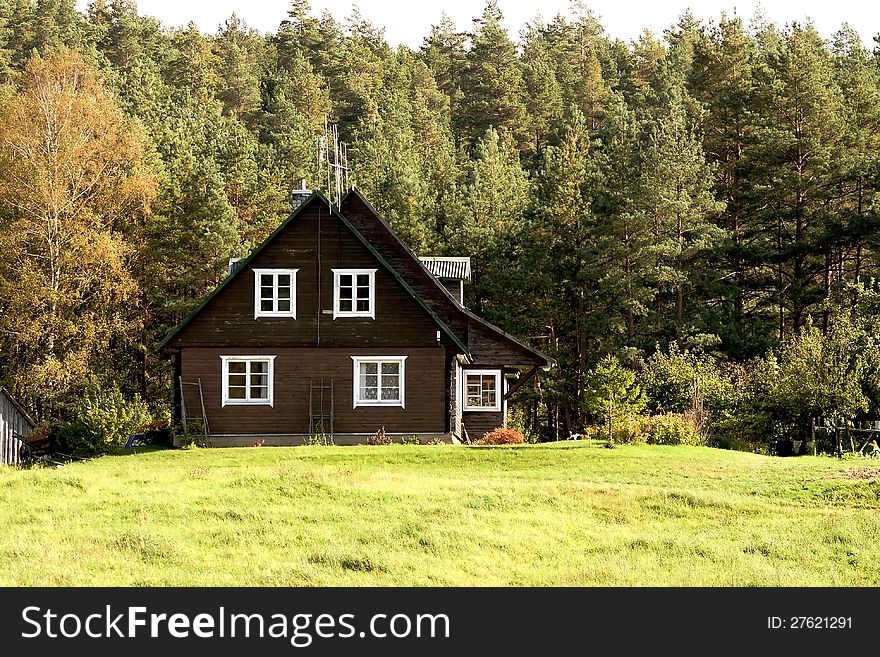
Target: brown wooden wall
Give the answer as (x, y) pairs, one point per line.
(479, 422)
(426, 397)
(490, 350)
(228, 319)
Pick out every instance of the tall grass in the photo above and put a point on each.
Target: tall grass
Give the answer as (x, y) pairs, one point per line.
(545, 515)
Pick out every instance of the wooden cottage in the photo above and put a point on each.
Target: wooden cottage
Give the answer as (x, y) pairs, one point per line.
(333, 327)
(14, 423)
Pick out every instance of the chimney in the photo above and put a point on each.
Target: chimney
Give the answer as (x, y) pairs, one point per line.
(299, 195)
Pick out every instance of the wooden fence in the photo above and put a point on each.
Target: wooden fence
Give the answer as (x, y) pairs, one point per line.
(863, 433)
(14, 423)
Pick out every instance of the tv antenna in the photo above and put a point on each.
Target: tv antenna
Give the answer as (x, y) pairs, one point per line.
(333, 158)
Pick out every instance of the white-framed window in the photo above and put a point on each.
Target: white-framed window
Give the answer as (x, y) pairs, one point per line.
(482, 390)
(275, 293)
(379, 380)
(248, 380)
(354, 293)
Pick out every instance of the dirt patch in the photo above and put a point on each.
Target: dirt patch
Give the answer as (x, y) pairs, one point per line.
(863, 474)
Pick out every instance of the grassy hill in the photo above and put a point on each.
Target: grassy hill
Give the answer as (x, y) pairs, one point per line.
(547, 515)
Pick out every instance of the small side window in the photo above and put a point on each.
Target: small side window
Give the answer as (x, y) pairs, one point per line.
(482, 390)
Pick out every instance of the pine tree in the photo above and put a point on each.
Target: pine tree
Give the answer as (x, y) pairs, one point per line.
(444, 53)
(724, 82)
(239, 51)
(677, 196)
(192, 65)
(543, 92)
(623, 243)
(7, 34)
(801, 139)
(856, 222)
(561, 253)
(484, 215)
(492, 85)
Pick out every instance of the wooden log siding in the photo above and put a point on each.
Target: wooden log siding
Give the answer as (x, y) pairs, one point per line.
(478, 423)
(491, 351)
(228, 319)
(12, 421)
(294, 368)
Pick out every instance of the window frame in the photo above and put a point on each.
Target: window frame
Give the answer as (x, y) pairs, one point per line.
(269, 400)
(379, 402)
(371, 312)
(258, 299)
(498, 391)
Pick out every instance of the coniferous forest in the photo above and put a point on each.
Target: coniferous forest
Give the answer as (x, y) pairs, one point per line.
(687, 223)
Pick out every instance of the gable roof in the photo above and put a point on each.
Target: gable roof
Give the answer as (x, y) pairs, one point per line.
(243, 264)
(439, 294)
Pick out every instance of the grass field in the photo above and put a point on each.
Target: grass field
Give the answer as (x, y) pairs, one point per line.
(547, 515)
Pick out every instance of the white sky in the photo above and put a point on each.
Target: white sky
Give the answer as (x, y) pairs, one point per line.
(408, 22)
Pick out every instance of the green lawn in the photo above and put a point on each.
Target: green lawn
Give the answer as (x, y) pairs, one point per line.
(565, 514)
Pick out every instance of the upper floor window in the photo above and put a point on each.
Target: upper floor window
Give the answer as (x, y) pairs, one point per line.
(354, 293)
(482, 390)
(275, 293)
(379, 381)
(248, 379)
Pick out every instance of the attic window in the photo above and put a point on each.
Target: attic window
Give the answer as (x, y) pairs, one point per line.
(482, 390)
(354, 293)
(248, 380)
(379, 381)
(275, 293)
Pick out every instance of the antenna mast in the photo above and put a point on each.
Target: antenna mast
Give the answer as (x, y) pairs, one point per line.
(333, 158)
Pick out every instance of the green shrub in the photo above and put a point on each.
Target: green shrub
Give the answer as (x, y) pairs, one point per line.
(673, 430)
(103, 421)
(635, 430)
(516, 419)
(501, 436)
(613, 394)
(674, 381)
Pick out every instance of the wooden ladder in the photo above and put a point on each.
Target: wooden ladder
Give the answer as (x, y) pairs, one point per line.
(195, 410)
(321, 409)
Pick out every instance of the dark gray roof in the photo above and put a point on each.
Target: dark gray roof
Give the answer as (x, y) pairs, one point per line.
(448, 267)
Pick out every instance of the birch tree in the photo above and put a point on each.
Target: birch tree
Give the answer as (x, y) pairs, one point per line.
(73, 195)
